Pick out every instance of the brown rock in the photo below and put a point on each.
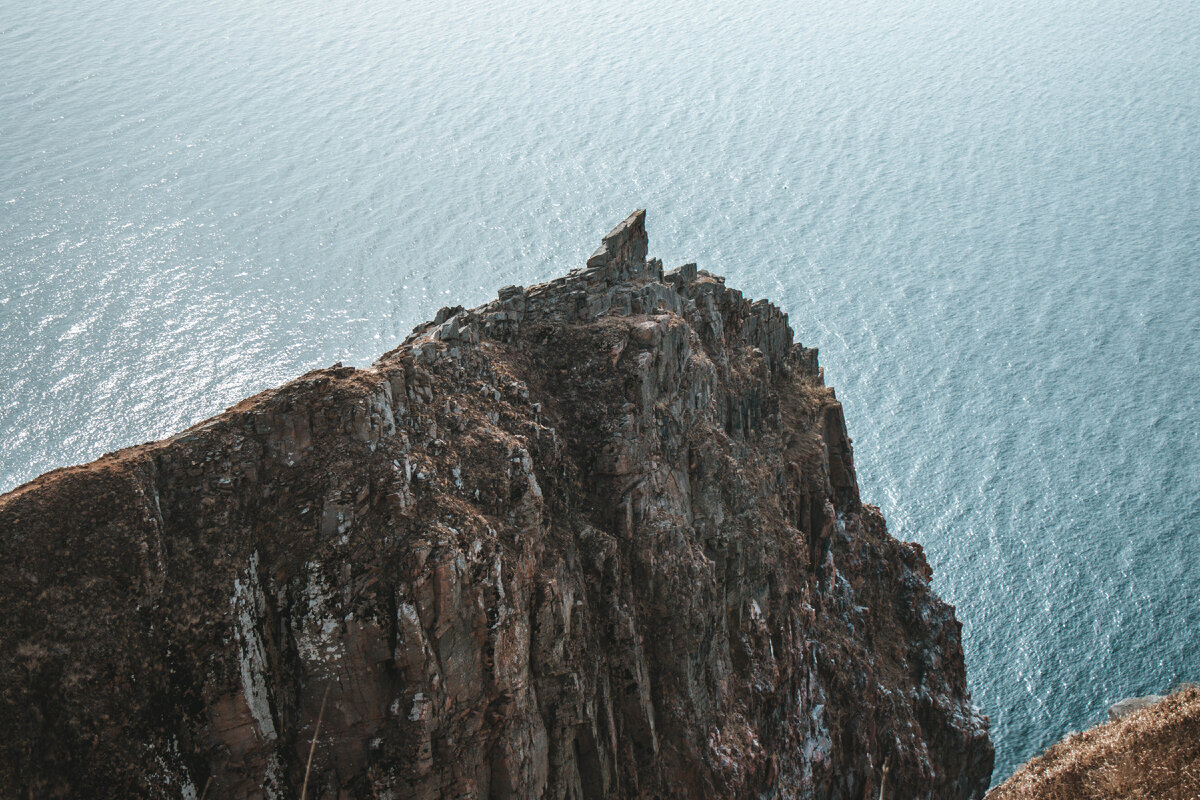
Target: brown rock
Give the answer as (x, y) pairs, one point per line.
(598, 538)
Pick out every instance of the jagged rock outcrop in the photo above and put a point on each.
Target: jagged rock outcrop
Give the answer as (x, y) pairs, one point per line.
(600, 537)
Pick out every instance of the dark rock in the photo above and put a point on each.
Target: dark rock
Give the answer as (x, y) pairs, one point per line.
(598, 538)
(622, 253)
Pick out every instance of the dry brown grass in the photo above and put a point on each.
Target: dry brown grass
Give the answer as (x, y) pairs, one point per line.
(1151, 754)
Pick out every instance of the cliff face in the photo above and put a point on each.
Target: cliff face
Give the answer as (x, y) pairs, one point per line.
(597, 538)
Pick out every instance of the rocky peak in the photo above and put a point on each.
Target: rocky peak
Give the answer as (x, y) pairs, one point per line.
(622, 253)
(599, 537)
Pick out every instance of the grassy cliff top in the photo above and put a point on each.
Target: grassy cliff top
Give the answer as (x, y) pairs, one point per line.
(1152, 753)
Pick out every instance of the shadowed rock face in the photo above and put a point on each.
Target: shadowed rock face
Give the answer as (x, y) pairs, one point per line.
(598, 538)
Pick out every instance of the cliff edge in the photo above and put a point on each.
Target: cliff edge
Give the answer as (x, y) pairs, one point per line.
(1147, 751)
(597, 538)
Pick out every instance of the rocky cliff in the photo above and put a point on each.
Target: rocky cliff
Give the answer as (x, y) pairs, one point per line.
(597, 538)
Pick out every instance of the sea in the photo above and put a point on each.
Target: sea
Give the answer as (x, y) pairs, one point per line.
(985, 213)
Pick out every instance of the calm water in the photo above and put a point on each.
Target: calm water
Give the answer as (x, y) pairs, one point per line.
(985, 214)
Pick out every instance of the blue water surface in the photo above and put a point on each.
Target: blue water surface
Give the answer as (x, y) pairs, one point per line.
(985, 214)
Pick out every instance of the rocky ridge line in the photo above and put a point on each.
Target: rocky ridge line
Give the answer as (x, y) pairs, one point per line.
(600, 537)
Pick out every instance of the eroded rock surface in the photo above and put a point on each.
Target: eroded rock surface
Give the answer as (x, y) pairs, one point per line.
(600, 537)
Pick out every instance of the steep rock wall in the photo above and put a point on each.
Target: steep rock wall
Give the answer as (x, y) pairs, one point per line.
(598, 538)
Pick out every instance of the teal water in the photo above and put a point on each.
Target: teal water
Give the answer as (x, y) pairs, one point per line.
(985, 214)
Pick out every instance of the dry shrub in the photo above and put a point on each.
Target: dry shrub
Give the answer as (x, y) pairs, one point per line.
(1153, 754)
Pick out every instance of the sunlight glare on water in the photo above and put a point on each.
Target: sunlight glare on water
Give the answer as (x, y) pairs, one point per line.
(986, 215)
